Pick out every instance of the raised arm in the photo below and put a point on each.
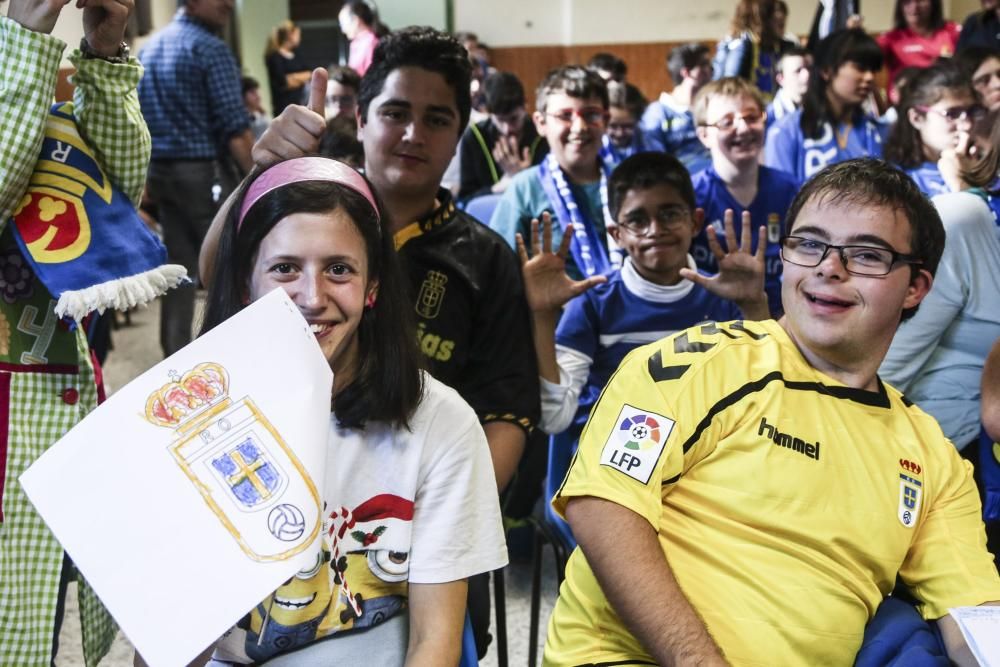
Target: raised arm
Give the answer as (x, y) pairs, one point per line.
(548, 288)
(30, 58)
(105, 100)
(741, 274)
(656, 612)
(296, 132)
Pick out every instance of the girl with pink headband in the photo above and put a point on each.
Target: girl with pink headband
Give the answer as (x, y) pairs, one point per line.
(410, 495)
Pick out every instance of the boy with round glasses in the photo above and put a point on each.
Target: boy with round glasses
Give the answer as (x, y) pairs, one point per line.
(749, 492)
(571, 182)
(730, 117)
(658, 290)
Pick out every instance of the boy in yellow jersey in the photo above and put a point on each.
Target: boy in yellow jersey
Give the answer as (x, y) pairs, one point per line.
(746, 493)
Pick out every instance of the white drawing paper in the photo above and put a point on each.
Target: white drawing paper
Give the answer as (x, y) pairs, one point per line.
(191, 494)
(981, 628)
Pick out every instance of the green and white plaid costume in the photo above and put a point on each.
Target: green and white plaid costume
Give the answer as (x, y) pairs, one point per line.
(47, 381)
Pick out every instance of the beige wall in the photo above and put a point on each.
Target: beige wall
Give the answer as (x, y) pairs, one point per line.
(256, 19)
(537, 22)
(401, 13)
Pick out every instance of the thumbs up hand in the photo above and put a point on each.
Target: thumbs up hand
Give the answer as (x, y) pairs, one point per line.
(298, 130)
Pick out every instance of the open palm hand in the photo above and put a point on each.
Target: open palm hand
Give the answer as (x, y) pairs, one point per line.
(546, 284)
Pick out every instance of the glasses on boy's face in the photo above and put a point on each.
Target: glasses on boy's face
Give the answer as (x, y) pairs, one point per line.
(589, 115)
(973, 113)
(667, 217)
(728, 122)
(859, 260)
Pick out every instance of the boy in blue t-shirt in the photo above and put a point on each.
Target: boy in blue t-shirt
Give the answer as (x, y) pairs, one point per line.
(657, 292)
(730, 117)
(668, 125)
(793, 80)
(571, 182)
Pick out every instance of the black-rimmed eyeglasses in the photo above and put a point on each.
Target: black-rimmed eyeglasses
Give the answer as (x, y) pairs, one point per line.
(859, 260)
(668, 217)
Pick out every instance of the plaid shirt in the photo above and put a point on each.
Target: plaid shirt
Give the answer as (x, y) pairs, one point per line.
(47, 382)
(190, 95)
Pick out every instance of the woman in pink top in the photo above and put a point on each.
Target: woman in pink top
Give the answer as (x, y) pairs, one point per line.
(920, 36)
(360, 24)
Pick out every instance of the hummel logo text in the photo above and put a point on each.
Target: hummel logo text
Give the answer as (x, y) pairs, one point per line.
(788, 441)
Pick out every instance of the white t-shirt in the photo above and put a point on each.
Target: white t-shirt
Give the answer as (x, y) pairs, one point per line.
(401, 506)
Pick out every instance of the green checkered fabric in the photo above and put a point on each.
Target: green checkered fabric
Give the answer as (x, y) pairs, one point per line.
(110, 99)
(28, 76)
(30, 557)
(110, 119)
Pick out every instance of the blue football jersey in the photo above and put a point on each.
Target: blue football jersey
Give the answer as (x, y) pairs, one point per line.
(610, 320)
(787, 149)
(775, 192)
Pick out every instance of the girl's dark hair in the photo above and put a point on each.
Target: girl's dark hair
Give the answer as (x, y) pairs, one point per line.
(644, 170)
(367, 15)
(937, 15)
(927, 86)
(832, 52)
(362, 10)
(388, 383)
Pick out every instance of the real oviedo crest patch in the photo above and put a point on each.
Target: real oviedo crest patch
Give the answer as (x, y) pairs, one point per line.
(636, 442)
(910, 490)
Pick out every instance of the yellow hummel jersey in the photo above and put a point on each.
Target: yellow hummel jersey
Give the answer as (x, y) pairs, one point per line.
(786, 502)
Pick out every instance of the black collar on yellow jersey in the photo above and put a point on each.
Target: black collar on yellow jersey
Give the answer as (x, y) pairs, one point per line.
(442, 214)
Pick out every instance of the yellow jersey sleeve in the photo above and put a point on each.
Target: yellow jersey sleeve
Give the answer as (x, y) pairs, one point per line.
(947, 564)
(649, 425)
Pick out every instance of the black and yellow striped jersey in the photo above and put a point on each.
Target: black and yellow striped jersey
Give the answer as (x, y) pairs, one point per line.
(786, 502)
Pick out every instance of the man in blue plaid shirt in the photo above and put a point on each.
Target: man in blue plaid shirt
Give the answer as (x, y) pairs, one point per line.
(191, 100)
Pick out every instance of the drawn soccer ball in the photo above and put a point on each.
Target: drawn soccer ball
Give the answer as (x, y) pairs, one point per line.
(286, 522)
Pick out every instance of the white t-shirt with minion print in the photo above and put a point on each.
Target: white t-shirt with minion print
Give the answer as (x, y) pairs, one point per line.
(401, 506)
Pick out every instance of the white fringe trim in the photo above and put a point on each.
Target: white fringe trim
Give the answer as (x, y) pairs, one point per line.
(122, 293)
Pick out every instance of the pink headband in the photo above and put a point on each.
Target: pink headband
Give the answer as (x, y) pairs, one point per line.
(305, 169)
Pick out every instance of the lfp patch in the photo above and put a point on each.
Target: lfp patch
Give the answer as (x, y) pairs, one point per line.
(636, 442)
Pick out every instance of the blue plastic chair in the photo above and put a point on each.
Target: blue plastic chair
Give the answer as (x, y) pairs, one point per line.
(551, 530)
(481, 208)
(469, 655)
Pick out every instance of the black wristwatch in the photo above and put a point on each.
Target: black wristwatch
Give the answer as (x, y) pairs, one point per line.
(120, 58)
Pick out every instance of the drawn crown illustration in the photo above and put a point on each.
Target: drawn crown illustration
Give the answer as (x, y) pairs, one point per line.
(911, 466)
(186, 396)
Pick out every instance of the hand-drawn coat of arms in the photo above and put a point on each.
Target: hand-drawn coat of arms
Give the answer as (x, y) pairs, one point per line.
(240, 464)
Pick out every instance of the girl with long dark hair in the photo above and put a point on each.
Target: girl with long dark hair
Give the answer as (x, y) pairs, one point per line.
(832, 125)
(409, 493)
(933, 139)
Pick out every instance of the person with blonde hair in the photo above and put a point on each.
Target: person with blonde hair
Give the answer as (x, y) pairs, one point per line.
(286, 72)
(753, 47)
